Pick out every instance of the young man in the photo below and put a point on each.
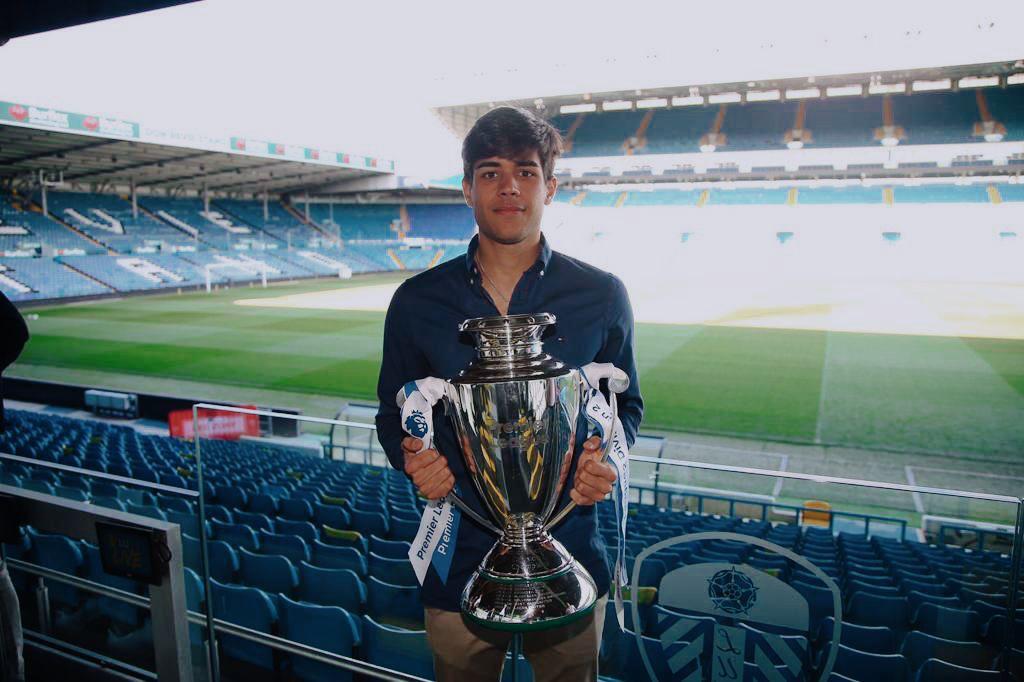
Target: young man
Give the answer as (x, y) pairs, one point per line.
(508, 160)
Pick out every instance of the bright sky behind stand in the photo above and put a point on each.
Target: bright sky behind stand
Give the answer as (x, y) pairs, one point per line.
(361, 77)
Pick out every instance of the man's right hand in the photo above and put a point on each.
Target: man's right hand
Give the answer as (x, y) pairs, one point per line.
(428, 469)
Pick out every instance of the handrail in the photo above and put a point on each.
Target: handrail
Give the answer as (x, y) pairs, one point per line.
(220, 626)
(186, 492)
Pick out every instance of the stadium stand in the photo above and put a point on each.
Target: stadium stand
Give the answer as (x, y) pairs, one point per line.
(441, 221)
(909, 606)
(108, 219)
(926, 118)
(37, 232)
(362, 222)
(26, 279)
(279, 223)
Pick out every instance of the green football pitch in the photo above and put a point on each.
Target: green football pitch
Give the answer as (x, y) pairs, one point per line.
(944, 404)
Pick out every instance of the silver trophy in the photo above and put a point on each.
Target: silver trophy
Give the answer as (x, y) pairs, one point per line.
(515, 410)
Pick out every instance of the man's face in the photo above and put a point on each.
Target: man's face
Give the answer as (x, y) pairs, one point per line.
(508, 197)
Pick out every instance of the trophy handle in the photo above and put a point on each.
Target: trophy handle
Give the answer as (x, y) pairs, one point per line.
(618, 381)
(433, 390)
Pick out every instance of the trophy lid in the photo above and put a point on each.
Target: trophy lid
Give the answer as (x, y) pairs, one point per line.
(509, 349)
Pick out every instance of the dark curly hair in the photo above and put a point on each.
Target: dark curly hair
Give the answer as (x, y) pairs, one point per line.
(506, 132)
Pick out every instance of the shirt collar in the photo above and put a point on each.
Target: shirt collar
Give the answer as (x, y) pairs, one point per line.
(541, 263)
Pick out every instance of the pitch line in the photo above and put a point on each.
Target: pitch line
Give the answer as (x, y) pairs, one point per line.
(779, 481)
(821, 390)
(918, 502)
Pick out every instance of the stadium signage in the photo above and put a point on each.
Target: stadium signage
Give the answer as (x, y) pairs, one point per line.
(220, 426)
(42, 117)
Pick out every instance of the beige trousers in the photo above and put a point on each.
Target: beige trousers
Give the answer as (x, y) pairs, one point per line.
(465, 652)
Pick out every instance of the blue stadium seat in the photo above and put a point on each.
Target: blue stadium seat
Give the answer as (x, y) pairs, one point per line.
(251, 608)
(396, 648)
(270, 573)
(332, 587)
(328, 556)
(915, 599)
(390, 549)
(934, 670)
(233, 497)
(236, 535)
(328, 628)
(861, 665)
(396, 571)
(955, 624)
(867, 609)
(404, 529)
(254, 520)
(345, 538)
(296, 510)
(291, 546)
(261, 503)
(195, 599)
(396, 604)
(219, 512)
(189, 522)
(918, 647)
(370, 523)
(819, 602)
(304, 529)
(872, 639)
(152, 511)
(331, 515)
(58, 553)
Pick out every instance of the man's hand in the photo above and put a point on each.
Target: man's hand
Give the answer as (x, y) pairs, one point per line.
(594, 479)
(428, 469)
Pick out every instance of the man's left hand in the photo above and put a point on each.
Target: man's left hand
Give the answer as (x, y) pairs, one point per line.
(594, 479)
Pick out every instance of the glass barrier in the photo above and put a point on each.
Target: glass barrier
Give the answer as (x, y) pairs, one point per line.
(733, 572)
(66, 596)
(297, 559)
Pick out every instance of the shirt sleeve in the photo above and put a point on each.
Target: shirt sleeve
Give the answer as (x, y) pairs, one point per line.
(619, 350)
(402, 361)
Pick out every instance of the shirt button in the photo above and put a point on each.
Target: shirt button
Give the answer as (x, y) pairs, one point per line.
(541, 273)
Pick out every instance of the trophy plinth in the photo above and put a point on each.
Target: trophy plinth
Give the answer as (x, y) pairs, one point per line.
(528, 581)
(515, 410)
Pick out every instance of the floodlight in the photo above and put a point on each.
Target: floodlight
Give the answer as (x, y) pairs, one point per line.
(724, 98)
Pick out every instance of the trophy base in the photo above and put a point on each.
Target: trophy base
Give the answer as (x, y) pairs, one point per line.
(526, 586)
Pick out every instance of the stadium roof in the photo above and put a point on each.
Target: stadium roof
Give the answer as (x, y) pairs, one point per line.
(95, 151)
(25, 17)
(459, 118)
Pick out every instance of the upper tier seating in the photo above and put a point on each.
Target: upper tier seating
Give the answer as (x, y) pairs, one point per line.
(441, 221)
(926, 118)
(108, 219)
(357, 221)
(41, 233)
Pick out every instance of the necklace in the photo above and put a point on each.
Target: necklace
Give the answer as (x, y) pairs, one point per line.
(493, 285)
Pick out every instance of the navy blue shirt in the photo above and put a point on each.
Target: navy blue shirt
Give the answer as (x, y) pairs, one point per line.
(594, 323)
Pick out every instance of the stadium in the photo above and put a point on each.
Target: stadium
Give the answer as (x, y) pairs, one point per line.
(826, 271)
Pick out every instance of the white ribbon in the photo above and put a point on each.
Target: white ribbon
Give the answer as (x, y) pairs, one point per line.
(439, 527)
(601, 416)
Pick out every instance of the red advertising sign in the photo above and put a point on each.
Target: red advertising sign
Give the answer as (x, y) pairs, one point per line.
(214, 424)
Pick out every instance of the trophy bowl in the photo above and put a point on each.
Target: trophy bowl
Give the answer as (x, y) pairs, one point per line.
(515, 411)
